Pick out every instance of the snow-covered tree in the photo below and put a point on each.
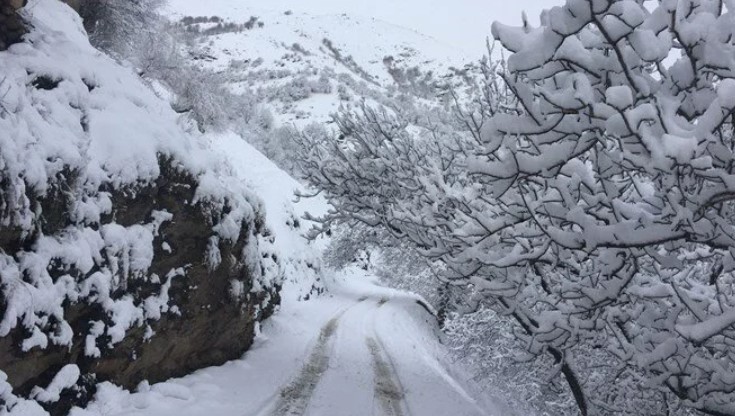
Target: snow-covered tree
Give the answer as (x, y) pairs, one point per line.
(594, 205)
(115, 25)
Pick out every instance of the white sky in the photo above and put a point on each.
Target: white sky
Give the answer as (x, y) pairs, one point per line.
(461, 23)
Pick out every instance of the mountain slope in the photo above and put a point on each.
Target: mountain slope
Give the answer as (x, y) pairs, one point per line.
(305, 66)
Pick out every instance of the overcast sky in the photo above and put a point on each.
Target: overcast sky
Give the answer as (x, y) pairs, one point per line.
(461, 23)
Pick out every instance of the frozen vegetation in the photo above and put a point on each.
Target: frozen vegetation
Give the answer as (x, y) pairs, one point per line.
(217, 208)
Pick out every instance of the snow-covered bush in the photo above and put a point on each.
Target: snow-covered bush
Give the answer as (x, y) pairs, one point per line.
(298, 88)
(115, 25)
(342, 93)
(202, 95)
(597, 213)
(485, 341)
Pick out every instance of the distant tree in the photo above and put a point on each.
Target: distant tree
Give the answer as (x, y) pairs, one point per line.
(594, 204)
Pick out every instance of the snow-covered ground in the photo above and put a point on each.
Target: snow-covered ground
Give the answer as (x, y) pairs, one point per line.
(356, 349)
(360, 350)
(304, 66)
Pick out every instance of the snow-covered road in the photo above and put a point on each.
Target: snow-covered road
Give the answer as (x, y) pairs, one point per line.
(340, 362)
(360, 350)
(358, 367)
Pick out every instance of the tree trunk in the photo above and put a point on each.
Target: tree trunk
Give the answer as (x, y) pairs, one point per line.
(574, 385)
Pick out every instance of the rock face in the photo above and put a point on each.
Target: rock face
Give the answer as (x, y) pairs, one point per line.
(128, 250)
(211, 325)
(11, 25)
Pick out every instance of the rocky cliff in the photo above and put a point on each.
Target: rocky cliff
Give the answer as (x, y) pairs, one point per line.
(128, 252)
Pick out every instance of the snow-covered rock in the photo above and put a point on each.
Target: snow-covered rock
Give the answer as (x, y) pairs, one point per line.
(121, 235)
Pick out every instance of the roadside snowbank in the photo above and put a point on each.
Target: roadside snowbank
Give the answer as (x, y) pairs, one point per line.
(301, 259)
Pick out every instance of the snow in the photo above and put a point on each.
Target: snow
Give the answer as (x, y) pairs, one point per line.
(620, 97)
(381, 346)
(37, 339)
(65, 378)
(300, 258)
(69, 111)
(461, 24)
(18, 406)
(360, 311)
(702, 331)
(289, 58)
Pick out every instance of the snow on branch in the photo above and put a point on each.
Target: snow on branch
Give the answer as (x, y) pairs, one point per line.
(595, 203)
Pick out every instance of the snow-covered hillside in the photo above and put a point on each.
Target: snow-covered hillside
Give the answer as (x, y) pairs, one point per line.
(305, 66)
(461, 24)
(367, 40)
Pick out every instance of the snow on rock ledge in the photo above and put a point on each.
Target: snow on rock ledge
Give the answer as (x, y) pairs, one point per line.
(11, 26)
(121, 236)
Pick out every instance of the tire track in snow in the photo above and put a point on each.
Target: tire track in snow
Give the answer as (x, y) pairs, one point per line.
(294, 398)
(387, 387)
(432, 373)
